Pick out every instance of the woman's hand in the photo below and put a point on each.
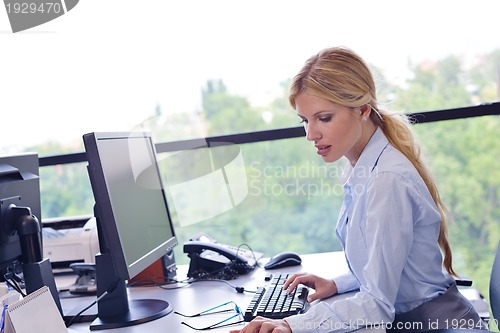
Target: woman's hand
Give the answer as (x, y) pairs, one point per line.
(265, 325)
(324, 287)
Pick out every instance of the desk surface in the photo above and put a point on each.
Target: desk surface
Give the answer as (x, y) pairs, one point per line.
(200, 296)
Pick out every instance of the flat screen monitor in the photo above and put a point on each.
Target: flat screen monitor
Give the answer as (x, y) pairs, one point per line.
(20, 225)
(19, 187)
(133, 223)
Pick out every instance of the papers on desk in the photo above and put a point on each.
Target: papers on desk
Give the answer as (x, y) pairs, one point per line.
(36, 312)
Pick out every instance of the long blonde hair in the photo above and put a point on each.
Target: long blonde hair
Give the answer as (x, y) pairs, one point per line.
(341, 76)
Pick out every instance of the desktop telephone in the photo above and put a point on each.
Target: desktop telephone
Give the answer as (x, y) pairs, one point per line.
(210, 258)
(86, 281)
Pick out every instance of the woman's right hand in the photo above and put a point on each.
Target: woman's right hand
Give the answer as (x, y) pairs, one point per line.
(324, 287)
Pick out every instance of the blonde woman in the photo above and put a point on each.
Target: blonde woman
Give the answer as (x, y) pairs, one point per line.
(392, 223)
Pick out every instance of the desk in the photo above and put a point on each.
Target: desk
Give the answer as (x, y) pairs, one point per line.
(203, 295)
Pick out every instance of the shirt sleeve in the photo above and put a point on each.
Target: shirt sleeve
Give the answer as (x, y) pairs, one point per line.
(389, 210)
(320, 318)
(346, 282)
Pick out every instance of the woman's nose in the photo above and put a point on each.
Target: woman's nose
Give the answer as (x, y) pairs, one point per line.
(311, 133)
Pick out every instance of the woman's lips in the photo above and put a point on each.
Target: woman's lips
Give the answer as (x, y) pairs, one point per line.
(323, 149)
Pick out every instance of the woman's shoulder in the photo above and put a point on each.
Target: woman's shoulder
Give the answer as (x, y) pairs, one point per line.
(392, 161)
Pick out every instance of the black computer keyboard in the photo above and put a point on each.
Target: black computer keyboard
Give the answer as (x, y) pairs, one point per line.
(271, 301)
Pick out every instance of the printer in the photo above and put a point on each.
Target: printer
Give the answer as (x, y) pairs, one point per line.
(66, 242)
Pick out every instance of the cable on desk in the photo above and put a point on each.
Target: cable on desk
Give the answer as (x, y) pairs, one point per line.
(187, 282)
(109, 290)
(239, 290)
(12, 280)
(251, 250)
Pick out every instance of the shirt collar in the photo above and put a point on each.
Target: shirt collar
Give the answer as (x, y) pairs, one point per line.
(367, 161)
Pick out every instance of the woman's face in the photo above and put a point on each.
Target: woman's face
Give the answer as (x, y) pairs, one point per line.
(335, 130)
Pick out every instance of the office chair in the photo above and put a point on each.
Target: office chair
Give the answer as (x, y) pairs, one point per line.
(494, 300)
(495, 287)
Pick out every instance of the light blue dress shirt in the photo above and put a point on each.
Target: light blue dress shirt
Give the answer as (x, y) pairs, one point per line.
(388, 226)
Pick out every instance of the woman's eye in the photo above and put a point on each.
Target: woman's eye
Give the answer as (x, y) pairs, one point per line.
(325, 119)
(303, 121)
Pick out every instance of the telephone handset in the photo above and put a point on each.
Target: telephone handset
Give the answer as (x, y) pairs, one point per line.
(210, 257)
(221, 253)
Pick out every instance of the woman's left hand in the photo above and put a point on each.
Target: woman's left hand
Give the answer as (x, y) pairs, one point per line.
(265, 325)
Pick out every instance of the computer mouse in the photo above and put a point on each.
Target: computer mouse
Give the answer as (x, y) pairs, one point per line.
(283, 259)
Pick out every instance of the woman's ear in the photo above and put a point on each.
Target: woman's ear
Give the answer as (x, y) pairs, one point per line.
(365, 110)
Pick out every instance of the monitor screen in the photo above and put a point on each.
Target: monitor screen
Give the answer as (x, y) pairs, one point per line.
(133, 219)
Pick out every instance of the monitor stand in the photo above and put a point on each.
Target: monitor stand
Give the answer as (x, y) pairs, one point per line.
(115, 309)
(37, 272)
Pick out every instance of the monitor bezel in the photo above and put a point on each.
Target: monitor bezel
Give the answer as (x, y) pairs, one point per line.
(108, 233)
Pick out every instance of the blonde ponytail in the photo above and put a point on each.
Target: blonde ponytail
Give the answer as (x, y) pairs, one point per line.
(398, 131)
